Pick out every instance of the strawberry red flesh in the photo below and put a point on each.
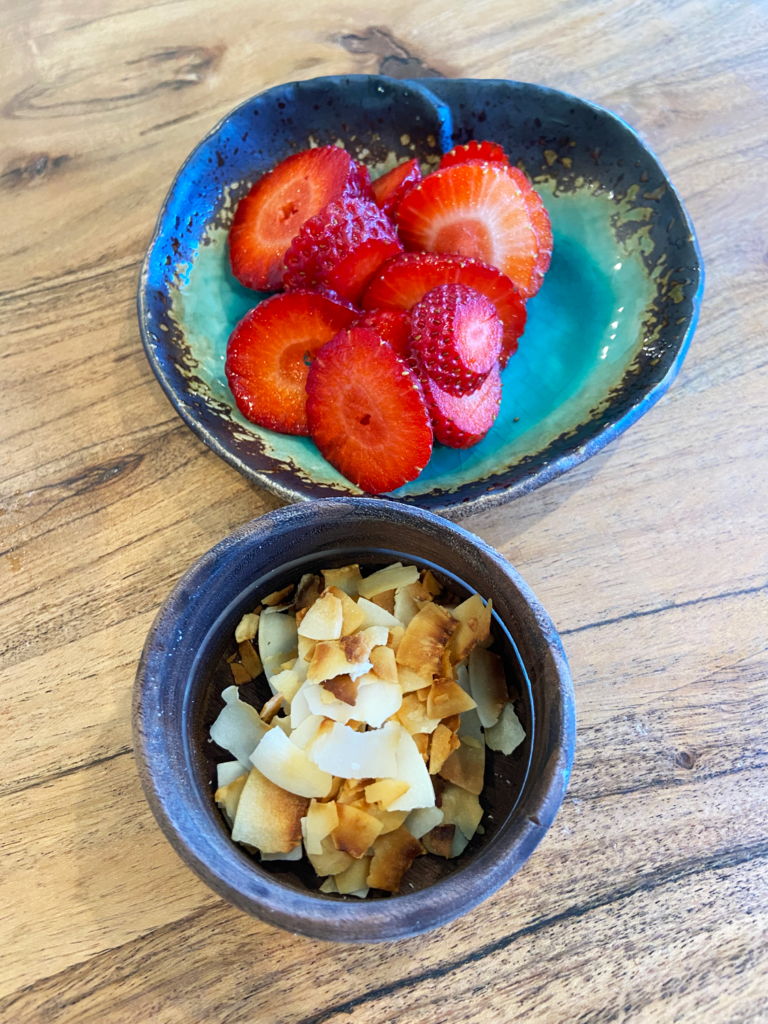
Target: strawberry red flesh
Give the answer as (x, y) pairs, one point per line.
(456, 337)
(391, 187)
(341, 248)
(269, 354)
(474, 209)
(392, 326)
(488, 151)
(540, 222)
(272, 213)
(460, 422)
(405, 280)
(367, 413)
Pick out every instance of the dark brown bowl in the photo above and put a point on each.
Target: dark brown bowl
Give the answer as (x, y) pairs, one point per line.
(181, 674)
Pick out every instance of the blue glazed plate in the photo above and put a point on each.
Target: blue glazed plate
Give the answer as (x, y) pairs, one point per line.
(606, 334)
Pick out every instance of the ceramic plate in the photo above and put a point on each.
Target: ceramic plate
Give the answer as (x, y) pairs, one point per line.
(605, 335)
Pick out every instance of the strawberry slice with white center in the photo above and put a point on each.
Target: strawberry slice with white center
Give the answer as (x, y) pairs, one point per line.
(456, 336)
(405, 280)
(272, 213)
(473, 209)
(367, 413)
(269, 354)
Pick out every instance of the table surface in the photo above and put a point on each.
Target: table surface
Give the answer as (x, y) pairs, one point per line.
(648, 899)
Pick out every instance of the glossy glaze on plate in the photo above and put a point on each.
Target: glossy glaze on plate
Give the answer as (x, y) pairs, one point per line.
(605, 336)
(176, 685)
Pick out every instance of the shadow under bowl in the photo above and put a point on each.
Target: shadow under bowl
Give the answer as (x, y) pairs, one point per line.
(182, 673)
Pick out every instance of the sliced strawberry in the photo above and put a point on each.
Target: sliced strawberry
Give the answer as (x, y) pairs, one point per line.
(390, 188)
(269, 355)
(460, 422)
(392, 326)
(341, 248)
(270, 216)
(361, 181)
(488, 151)
(540, 222)
(367, 413)
(456, 336)
(473, 209)
(405, 280)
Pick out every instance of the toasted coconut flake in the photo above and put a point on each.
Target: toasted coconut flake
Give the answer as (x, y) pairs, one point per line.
(352, 617)
(453, 722)
(227, 797)
(409, 680)
(300, 613)
(444, 742)
(375, 636)
(447, 698)
(322, 819)
(343, 688)
(240, 673)
(329, 885)
(385, 601)
(413, 715)
(430, 584)
(323, 702)
(390, 820)
(299, 707)
(346, 578)
(377, 701)
(396, 634)
(423, 693)
(289, 767)
(353, 790)
(375, 616)
(394, 576)
(282, 722)
(507, 734)
(470, 726)
(423, 820)
(424, 640)
(408, 600)
(393, 854)
(462, 809)
(286, 684)
(335, 788)
(384, 664)
(356, 831)
(276, 597)
(271, 708)
(385, 791)
(238, 728)
(268, 817)
(459, 844)
(295, 854)
(487, 685)
(247, 628)
(307, 592)
(277, 639)
(466, 766)
(324, 619)
(358, 755)
(306, 649)
(331, 861)
(440, 840)
(474, 625)
(352, 882)
(228, 771)
(411, 769)
(339, 657)
(306, 732)
(421, 739)
(446, 666)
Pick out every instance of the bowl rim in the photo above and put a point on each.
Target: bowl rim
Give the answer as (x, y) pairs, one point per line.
(236, 877)
(452, 506)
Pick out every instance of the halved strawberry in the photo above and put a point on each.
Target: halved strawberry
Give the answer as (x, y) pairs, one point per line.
(271, 214)
(460, 422)
(405, 280)
(473, 209)
(367, 413)
(390, 188)
(489, 151)
(456, 336)
(392, 326)
(269, 355)
(341, 248)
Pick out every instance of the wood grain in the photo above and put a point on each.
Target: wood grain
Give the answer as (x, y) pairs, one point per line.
(648, 900)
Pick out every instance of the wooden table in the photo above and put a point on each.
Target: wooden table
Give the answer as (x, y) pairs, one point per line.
(648, 899)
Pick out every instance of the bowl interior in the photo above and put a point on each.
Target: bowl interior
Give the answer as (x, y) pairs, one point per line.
(604, 335)
(505, 776)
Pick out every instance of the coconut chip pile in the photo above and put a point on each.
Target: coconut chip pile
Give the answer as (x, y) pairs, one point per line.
(371, 751)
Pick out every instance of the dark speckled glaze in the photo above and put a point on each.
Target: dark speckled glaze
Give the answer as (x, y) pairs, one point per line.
(176, 677)
(606, 335)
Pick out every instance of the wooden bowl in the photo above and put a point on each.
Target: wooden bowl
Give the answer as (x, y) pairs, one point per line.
(182, 672)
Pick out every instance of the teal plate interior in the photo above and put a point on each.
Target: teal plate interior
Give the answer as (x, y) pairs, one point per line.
(605, 335)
